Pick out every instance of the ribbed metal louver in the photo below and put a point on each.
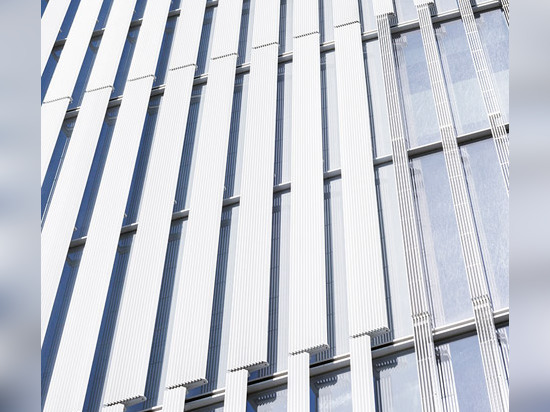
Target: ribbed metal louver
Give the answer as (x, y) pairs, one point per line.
(49, 27)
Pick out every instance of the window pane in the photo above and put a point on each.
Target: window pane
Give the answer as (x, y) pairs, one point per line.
(68, 20)
(139, 9)
(460, 367)
(283, 130)
(187, 163)
(396, 383)
(140, 168)
(489, 200)
(214, 408)
(448, 285)
(416, 92)
(329, 106)
(205, 46)
(85, 71)
(274, 400)
(379, 123)
(245, 36)
(125, 60)
(367, 17)
(175, 4)
(460, 77)
(395, 269)
(49, 70)
(166, 48)
(233, 169)
(103, 14)
(325, 21)
(285, 26)
(445, 5)
(494, 32)
(96, 171)
(405, 10)
(332, 392)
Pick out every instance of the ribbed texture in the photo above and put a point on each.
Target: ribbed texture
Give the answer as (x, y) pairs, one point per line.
(344, 12)
(305, 14)
(364, 267)
(74, 50)
(446, 379)
(63, 209)
(249, 328)
(113, 408)
(188, 357)
(307, 325)
(49, 28)
(52, 115)
(235, 391)
(382, 7)
(362, 386)
(298, 383)
(266, 23)
(226, 30)
(174, 399)
(506, 10)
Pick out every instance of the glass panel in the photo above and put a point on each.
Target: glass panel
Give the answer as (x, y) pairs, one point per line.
(332, 392)
(85, 71)
(396, 383)
(94, 177)
(49, 70)
(460, 367)
(233, 167)
(405, 10)
(139, 9)
(214, 408)
(140, 168)
(245, 37)
(325, 21)
(277, 349)
(274, 400)
(60, 307)
(379, 123)
(125, 60)
(448, 285)
(460, 77)
(395, 269)
(205, 46)
(56, 161)
(68, 20)
(504, 342)
(416, 92)
(443, 6)
(108, 324)
(166, 48)
(283, 132)
(494, 33)
(187, 163)
(329, 105)
(285, 26)
(103, 14)
(366, 14)
(221, 305)
(175, 4)
(490, 206)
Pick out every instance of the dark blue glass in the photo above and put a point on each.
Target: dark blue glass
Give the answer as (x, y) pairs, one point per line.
(125, 61)
(205, 46)
(139, 9)
(103, 14)
(85, 71)
(49, 70)
(44, 5)
(68, 20)
(165, 50)
(175, 4)
(245, 36)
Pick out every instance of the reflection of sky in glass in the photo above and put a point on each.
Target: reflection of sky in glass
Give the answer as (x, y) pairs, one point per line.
(332, 392)
(329, 113)
(274, 400)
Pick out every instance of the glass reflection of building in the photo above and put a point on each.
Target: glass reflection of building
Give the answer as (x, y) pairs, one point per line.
(151, 107)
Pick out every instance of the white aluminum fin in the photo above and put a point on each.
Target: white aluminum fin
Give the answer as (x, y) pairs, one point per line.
(52, 115)
(235, 391)
(345, 12)
(51, 22)
(174, 399)
(226, 29)
(305, 17)
(188, 34)
(362, 382)
(298, 383)
(266, 23)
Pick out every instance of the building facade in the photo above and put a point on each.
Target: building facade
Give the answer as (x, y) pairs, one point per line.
(274, 205)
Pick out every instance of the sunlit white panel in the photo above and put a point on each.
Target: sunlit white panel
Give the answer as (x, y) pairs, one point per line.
(226, 29)
(305, 17)
(249, 328)
(68, 67)
(364, 265)
(129, 362)
(174, 399)
(113, 408)
(421, 2)
(382, 7)
(49, 27)
(344, 11)
(235, 391)
(63, 209)
(76, 351)
(52, 115)
(298, 383)
(362, 386)
(112, 43)
(144, 61)
(188, 33)
(194, 294)
(308, 324)
(266, 22)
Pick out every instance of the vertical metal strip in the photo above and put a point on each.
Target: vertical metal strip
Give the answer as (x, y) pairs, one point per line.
(49, 28)
(113, 408)
(422, 323)
(362, 384)
(52, 115)
(174, 400)
(63, 210)
(298, 383)
(488, 91)
(235, 391)
(473, 260)
(506, 10)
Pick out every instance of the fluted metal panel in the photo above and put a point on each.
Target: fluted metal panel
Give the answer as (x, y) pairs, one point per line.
(298, 383)
(174, 399)
(188, 33)
(52, 115)
(382, 7)
(249, 328)
(308, 323)
(266, 23)
(134, 334)
(506, 10)
(364, 266)
(235, 391)
(63, 209)
(113, 408)
(192, 314)
(112, 43)
(345, 12)
(226, 30)
(144, 61)
(74, 50)
(49, 28)
(420, 310)
(362, 384)
(305, 17)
